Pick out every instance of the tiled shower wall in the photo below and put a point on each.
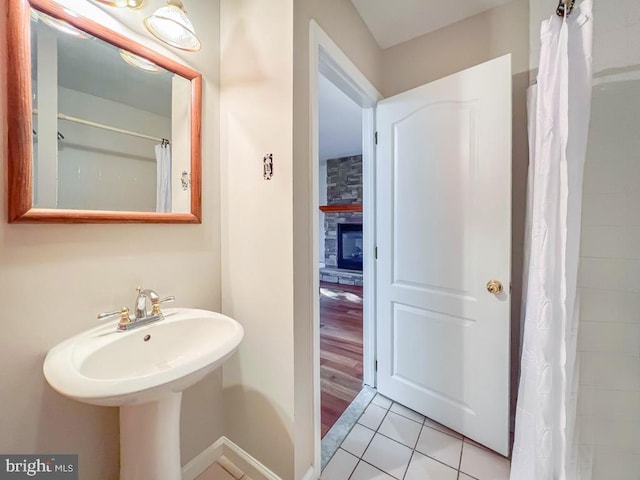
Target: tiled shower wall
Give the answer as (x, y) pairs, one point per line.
(609, 342)
(609, 339)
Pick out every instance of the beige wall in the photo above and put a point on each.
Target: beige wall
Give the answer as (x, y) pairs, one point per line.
(257, 224)
(264, 78)
(55, 278)
(466, 43)
(469, 42)
(340, 20)
(261, 230)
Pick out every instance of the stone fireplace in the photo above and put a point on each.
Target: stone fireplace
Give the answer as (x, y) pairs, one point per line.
(344, 188)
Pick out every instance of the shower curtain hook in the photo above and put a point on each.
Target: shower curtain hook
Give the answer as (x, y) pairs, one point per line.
(565, 7)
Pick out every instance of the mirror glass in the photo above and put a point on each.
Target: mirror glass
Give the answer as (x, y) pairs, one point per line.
(111, 130)
(101, 128)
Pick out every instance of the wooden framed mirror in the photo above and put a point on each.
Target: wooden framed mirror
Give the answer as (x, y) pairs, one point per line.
(101, 129)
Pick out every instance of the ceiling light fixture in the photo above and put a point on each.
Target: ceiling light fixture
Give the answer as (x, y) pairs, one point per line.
(139, 62)
(171, 25)
(122, 3)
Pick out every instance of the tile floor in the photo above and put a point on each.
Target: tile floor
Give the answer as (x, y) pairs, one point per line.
(339, 431)
(392, 442)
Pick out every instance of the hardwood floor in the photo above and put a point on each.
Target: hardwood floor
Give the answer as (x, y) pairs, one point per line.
(340, 349)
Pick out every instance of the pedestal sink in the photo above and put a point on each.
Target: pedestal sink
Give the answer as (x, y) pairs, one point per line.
(144, 372)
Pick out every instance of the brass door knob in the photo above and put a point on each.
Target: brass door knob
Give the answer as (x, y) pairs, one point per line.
(495, 287)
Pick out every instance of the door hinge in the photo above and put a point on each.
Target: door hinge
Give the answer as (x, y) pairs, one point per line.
(376, 366)
(376, 137)
(375, 252)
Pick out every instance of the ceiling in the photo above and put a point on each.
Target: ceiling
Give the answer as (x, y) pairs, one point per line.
(394, 22)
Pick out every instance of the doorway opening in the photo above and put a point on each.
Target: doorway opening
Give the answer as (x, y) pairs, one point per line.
(347, 285)
(340, 196)
(434, 308)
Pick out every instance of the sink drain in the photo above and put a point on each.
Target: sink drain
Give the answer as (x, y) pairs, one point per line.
(147, 338)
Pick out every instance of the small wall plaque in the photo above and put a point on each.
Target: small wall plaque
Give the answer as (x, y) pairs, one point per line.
(267, 162)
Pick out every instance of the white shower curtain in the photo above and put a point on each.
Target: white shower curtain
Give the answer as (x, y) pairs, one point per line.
(559, 119)
(163, 178)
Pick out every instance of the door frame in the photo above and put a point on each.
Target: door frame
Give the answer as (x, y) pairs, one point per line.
(327, 58)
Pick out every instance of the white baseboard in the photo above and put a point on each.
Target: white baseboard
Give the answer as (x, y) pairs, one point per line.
(203, 460)
(247, 463)
(311, 474)
(225, 451)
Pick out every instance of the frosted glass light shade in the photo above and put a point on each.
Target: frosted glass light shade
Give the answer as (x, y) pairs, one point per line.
(60, 25)
(122, 3)
(139, 62)
(171, 25)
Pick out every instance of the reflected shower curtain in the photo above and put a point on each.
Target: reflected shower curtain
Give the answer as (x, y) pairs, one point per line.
(163, 178)
(560, 104)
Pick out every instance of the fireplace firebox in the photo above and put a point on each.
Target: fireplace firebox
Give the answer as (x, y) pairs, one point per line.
(350, 246)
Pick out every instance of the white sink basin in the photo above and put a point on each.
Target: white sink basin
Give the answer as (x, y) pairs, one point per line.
(144, 371)
(103, 366)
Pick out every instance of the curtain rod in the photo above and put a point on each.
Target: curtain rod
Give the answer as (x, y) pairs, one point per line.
(62, 116)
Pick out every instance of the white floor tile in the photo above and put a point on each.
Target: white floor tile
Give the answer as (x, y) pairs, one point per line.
(358, 440)
(215, 472)
(473, 442)
(440, 446)
(440, 427)
(339, 467)
(372, 417)
(364, 471)
(381, 447)
(401, 429)
(388, 455)
(484, 464)
(381, 401)
(425, 468)
(407, 412)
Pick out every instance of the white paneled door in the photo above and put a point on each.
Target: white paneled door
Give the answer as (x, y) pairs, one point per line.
(444, 234)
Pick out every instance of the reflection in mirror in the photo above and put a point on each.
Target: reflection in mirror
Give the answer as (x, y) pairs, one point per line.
(111, 129)
(100, 127)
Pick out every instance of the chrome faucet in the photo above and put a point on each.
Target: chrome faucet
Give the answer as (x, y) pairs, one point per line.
(141, 316)
(141, 302)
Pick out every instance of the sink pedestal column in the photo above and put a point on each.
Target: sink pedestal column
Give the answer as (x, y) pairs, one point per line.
(150, 440)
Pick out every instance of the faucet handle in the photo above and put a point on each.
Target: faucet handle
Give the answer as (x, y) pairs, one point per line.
(123, 313)
(108, 315)
(156, 305)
